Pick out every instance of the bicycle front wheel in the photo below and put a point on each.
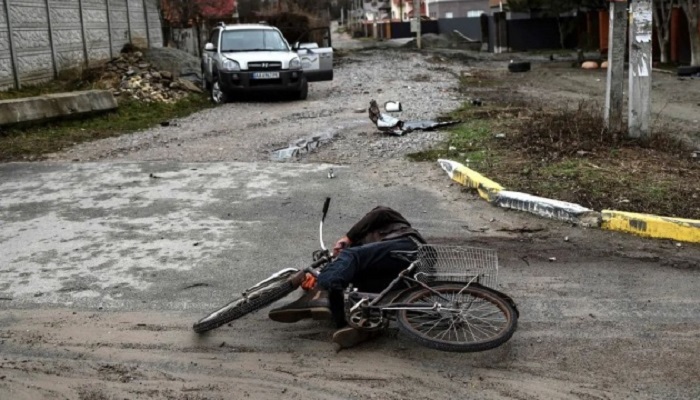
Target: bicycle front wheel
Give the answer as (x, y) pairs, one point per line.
(467, 319)
(262, 297)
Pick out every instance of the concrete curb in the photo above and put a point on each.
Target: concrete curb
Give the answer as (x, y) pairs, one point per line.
(548, 208)
(49, 106)
(488, 189)
(653, 226)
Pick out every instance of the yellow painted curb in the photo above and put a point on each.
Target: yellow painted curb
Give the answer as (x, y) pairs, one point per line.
(684, 230)
(470, 178)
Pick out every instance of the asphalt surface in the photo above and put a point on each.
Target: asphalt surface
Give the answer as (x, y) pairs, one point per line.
(175, 236)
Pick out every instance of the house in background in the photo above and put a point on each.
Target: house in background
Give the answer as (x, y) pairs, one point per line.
(402, 10)
(376, 10)
(438, 9)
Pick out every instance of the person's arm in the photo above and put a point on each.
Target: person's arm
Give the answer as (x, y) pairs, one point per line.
(374, 219)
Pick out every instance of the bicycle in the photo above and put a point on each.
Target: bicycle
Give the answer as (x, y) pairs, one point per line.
(442, 299)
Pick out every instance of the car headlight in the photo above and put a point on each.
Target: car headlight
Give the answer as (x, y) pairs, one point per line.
(230, 65)
(295, 63)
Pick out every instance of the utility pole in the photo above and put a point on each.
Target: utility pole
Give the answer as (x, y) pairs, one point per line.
(614, 93)
(416, 17)
(640, 68)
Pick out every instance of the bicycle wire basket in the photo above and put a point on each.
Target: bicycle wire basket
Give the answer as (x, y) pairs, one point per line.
(438, 263)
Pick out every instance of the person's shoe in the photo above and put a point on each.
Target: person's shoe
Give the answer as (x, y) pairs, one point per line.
(349, 337)
(313, 304)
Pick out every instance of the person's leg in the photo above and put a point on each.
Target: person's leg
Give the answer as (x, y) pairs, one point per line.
(371, 260)
(365, 262)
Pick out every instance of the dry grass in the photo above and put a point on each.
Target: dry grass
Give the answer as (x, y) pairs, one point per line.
(566, 153)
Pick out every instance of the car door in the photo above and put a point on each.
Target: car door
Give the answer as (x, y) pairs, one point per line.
(208, 56)
(315, 50)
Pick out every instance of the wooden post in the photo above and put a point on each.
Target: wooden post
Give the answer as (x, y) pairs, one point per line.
(640, 68)
(675, 33)
(617, 34)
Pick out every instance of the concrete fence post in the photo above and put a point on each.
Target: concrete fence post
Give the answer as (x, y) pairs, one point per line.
(13, 54)
(641, 30)
(109, 28)
(51, 39)
(82, 29)
(145, 16)
(128, 19)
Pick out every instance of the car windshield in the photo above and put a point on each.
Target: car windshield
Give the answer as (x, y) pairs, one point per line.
(253, 40)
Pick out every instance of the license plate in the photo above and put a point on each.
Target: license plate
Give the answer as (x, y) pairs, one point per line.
(266, 75)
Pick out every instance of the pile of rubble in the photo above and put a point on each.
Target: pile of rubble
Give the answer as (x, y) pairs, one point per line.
(130, 75)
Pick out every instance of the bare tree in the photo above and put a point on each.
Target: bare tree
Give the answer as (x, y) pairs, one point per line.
(662, 19)
(692, 13)
(184, 13)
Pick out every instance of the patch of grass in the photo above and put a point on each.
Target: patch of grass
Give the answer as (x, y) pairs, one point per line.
(566, 153)
(465, 143)
(33, 141)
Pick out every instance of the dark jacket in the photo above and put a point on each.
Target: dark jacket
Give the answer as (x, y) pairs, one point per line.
(382, 223)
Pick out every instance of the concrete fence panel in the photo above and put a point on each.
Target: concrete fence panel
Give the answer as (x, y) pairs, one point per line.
(30, 39)
(41, 38)
(119, 24)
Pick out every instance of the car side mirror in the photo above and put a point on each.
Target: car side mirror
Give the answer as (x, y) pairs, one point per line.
(209, 47)
(295, 46)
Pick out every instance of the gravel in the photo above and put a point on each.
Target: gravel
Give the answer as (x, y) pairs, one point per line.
(251, 129)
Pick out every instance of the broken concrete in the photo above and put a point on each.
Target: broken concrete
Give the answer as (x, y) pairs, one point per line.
(301, 147)
(50, 106)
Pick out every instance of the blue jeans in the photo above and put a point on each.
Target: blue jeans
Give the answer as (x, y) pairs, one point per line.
(369, 267)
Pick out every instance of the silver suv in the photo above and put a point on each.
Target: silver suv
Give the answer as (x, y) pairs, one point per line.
(255, 58)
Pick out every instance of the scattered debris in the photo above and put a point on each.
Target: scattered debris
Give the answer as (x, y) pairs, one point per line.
(395, 126)
(566, 239)
(195, 285)
(130, 75)
(301, 147)
(552, 259)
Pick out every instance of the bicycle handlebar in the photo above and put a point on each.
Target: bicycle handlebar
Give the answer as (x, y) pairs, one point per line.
(325, 208)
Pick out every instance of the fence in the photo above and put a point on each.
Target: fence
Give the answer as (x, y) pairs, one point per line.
(41, 38)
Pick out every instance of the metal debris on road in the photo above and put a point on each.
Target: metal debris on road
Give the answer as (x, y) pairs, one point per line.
(301, 147)
(397, 127)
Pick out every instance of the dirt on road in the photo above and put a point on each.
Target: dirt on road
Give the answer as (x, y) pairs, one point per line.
(619, 322)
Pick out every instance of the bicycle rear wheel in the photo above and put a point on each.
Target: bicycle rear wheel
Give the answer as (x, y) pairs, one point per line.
(256, 300)
(471, 319)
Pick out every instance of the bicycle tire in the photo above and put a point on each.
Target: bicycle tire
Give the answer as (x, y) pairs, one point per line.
(243, 306)
(505, 308)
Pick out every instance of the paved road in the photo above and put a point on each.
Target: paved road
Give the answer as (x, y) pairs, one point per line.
(134, 235)
(105, 266)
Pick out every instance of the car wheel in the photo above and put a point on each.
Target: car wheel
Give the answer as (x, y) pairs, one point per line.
(519, 67)
(217, 94)
(303, 93)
